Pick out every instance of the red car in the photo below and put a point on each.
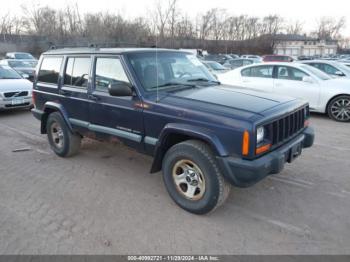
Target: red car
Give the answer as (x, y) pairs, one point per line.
(277, 58)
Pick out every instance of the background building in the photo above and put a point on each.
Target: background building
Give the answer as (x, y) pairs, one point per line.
(301, 45)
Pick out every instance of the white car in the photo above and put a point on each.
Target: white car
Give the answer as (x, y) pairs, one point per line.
(345, 62)
(332, 68)
(15, 91)
(324, 94)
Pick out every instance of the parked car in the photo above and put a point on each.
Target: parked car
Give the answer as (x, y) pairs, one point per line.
(345, 62)
(24, 67)
(215, 67)
(234, 56)
(304, 57)
(221, 59)
(324, 94)
(15, 92)
(203, 135)
(332, 68)
(277, 58)
(235, 63)
(256, 58)
(19, 56)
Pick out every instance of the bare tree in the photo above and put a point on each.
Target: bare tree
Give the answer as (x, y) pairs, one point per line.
(295, 28)
(328, 27)
(163, 14)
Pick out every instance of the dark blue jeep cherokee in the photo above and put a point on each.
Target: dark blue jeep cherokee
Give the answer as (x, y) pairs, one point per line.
(204, 136)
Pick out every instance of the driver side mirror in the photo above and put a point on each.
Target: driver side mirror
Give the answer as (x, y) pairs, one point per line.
(339, 73)
(308, 79)
(120, 88)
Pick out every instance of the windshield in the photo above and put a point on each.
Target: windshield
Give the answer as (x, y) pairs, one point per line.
(168, 70)
(8, 73)
(318, 73)
(23, 56)
(25, 64)
(216, 66)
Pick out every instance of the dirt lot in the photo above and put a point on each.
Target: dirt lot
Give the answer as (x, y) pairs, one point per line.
(104, 201)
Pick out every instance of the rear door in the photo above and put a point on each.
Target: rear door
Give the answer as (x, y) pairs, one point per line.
(75, 87)
(258, 77)
(114, 116)
(289, 81)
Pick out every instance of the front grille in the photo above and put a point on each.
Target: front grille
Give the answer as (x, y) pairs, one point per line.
(16, 94)
(282, 129)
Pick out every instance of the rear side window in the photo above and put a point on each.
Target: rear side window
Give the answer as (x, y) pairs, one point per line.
(109, 70)
(77, 71)
(258, 71)
(50, 69)
(246, 72)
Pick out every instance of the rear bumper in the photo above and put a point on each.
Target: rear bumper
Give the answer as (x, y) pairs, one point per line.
(244, 173)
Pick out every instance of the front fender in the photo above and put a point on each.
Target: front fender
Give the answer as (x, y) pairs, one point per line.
(189, 131)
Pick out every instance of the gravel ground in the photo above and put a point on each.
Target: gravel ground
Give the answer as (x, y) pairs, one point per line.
(104, 201)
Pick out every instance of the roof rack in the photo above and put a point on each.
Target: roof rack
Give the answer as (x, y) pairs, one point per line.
(102, 45)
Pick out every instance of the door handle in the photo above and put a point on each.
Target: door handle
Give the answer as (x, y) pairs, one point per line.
(94, 98)
(66, 93)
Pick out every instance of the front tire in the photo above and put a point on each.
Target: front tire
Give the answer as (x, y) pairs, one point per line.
(62, 141)
(339, 108)
(192, 177)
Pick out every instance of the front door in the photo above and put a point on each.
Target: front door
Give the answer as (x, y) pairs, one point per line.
(290, 81)
(117, 117)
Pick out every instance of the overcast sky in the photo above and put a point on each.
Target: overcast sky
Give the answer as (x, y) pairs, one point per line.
(307, 11)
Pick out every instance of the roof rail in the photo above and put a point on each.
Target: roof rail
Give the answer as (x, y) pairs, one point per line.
(102, 45)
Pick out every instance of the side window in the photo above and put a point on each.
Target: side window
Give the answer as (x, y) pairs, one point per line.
(236, 63)
(109, 70)
(289, 73)
(330, 69)
(50, 70)
(318, 66)
(77, 71)
(245, 72)
(262, 71)
(247, 62)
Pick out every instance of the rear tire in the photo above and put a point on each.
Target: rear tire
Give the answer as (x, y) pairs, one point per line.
(62, 141)
(339, 108)
(192, 177)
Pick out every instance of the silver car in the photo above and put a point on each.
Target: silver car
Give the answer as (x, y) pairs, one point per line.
(15, 91)
(25, 65)
(333, 68)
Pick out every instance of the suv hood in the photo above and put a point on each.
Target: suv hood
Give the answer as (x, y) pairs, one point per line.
(227, 99)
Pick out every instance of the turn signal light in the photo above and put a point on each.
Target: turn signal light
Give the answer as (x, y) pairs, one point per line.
(33, 98)
(262, 149)
(245, 144)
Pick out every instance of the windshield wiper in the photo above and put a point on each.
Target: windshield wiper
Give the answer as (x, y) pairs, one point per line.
(172, 84)
(203, 80)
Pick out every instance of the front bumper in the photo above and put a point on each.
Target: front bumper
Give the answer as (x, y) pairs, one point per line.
(244, 173)
(8, 103)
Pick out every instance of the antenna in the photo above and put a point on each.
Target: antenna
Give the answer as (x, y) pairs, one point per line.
(157, 81)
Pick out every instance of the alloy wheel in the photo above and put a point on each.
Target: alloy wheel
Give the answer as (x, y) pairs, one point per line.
(189, 179)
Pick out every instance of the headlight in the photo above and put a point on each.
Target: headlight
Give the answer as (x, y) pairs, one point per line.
(260, 134)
